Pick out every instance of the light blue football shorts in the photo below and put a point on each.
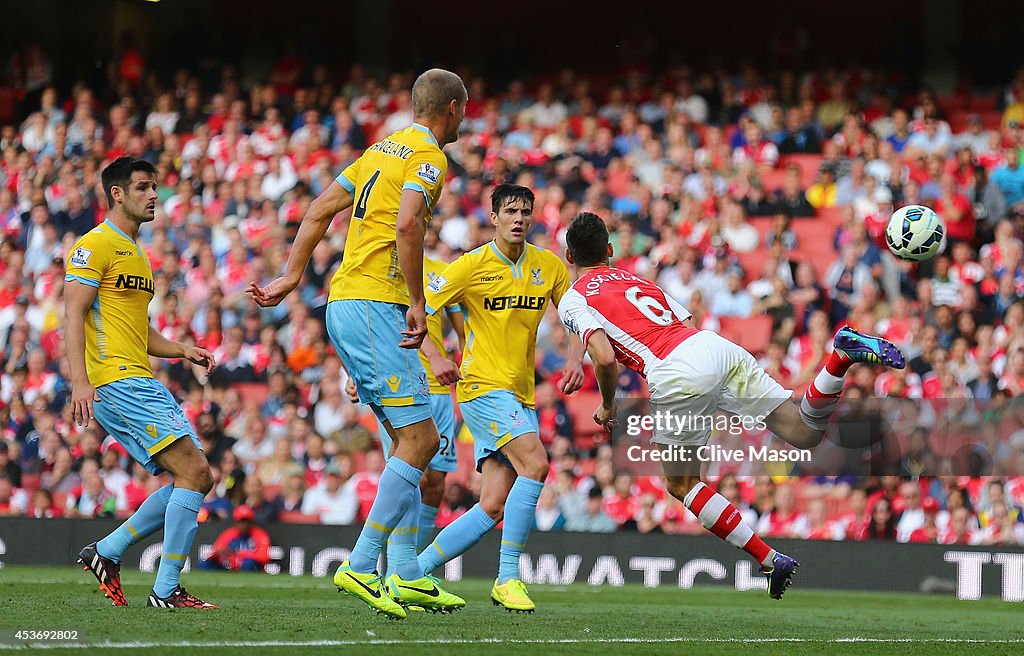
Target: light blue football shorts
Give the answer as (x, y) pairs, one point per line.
(389, 379)
(143, 417)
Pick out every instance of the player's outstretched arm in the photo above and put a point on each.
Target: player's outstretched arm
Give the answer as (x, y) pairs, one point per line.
(409, 230)
(161, 347)
(607, 371)
(312, 229)
(78, 298)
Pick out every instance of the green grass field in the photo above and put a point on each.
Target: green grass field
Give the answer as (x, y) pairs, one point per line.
(285, 615)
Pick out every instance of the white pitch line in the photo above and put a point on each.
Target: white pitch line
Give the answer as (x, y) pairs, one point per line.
(495, 641)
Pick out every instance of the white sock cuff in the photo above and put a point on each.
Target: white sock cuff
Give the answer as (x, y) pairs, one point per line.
(826, 383)
(692, 494)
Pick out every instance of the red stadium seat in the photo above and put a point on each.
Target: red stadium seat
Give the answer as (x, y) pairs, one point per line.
(257, 391)
(581, 406)
(833, 216)
(814, 235)
(7, 101)
(983, 103)
(295, 517)
(752, 333)
(773, 179)
(752, 263)
(30, 482)
(808, 164)
(953, 102)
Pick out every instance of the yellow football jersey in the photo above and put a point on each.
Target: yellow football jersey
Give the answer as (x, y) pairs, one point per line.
(504, 303)
(117, 326)
(408, 159)
(435, 324)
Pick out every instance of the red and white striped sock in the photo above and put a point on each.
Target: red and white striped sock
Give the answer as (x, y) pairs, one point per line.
(822, 394)
(722, 518)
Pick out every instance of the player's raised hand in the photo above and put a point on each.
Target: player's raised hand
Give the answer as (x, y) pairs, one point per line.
(83, 395)
(273, 293)
(416, 319)
(605, 417)
(445, 371)
(572, 377)
(202, 357)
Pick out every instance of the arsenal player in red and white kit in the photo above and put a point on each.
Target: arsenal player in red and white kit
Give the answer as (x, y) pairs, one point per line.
(692, 374)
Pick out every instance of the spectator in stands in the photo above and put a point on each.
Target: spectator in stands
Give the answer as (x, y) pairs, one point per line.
(91, 498)
(61, 479)
(13, 502)
(9, 468)
(784, 520)
(549, 515)
(846, 279)
(822, 194)
(351, 436)
(289, 499)
(800, 137)
(929, 531)
(930, 141)
(818, 525)
(593, 519)
(1002, 529)
(882, 525)
(791, 198)
(1010, 177)
(735, 301)
(960, 530)
(995, 493)
(255, 499)
(245, 547)
(43, 505)
(254, 446)
(333, 500)
(912, 516)
(115, 478)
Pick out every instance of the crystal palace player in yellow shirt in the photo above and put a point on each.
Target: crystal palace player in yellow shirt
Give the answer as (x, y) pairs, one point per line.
(504, 288)
(376, 318)
(108, 287)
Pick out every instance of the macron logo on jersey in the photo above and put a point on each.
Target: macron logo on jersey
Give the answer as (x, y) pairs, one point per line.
(80, 257)
(429, 173)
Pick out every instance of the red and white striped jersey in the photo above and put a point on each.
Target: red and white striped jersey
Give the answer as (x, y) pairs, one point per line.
(643, 323)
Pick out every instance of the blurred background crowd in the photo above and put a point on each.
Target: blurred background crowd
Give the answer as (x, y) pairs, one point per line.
(756, 199)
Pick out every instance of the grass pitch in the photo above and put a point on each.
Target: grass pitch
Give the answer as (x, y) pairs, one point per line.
(286, 615)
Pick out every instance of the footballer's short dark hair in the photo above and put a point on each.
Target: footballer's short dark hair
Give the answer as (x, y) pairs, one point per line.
(587, 239)
(504, 194)
(119, 174)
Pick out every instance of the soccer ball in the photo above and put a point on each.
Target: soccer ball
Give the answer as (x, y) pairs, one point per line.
(915, 233)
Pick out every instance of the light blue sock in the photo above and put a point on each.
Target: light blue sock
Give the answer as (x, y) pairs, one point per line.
(520, 508)
(456, 538)
(180, 526)
(428, 521)
(397, 490)
(403, 541)
(146, 521)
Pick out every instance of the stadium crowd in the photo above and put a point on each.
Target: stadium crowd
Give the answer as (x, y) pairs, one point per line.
(758, 202)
